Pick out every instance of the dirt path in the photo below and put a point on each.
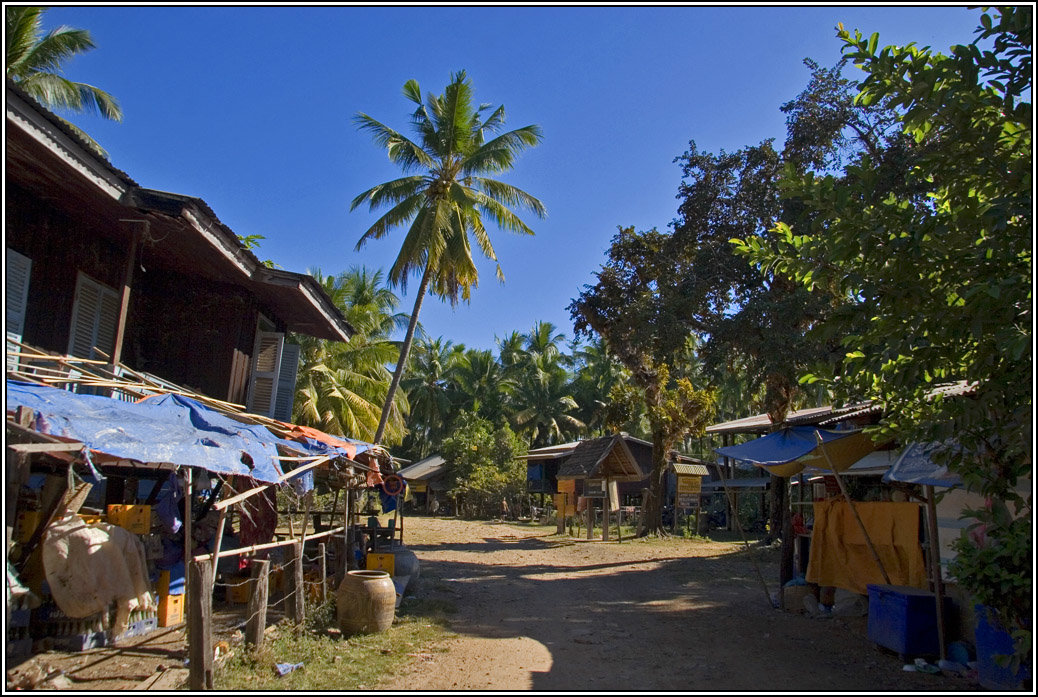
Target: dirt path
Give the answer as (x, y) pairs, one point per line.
(539, 612)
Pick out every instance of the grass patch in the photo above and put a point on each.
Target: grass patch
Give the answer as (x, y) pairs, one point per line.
(359, 662)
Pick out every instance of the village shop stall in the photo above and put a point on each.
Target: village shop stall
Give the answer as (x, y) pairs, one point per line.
(142, 463)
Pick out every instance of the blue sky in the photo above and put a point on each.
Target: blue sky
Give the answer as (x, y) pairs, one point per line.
(250, 109)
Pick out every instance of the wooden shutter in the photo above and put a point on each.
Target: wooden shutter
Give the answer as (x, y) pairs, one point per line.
(266, 361)
(286, 382)
(16, 297)
(95, 316)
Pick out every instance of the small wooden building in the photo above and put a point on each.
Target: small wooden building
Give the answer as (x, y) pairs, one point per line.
(100, 267)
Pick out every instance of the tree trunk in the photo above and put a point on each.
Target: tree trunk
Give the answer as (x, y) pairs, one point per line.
(652, 516)
(405, 351)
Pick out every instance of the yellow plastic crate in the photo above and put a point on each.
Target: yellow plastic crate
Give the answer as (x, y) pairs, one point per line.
(381, 561)
(134, 517)
(171, 610)
(240, 592)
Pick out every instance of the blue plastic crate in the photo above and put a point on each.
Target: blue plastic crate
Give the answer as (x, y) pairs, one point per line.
(904, 619)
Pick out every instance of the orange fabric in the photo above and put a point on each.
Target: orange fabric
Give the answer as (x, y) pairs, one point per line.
(322, 437)
(841, 558)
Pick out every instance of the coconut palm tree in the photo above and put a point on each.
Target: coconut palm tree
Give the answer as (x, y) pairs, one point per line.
(342, 386)
(544, 408)
(484, 385)
(430, 392)
(34, 62)
(446, 195)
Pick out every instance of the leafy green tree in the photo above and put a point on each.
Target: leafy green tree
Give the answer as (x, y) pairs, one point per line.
(484, 465)
(34, 61)
(482, 383)
(596, 373)
(430, 389)
(446, 201)
(341, 386)
(931, 247)
(632, 309)
(543, 406)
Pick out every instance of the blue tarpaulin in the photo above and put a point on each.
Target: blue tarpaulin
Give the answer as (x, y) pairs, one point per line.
(168, 429)
(914, 466)
(782, 446)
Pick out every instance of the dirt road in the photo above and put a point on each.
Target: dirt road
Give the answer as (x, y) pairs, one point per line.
(539, 612)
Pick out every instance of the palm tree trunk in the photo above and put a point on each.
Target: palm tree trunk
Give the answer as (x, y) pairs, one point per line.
(405, 351)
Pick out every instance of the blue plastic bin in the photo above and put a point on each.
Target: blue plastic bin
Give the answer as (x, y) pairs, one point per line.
(904, 619)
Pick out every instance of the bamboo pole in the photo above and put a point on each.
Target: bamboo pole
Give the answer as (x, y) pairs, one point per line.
(935, 566)
(854, 509)
(738, 524)
(268, 545)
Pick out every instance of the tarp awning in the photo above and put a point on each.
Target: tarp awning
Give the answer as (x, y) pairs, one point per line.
(914, 466)
(164, 429)
(787, 452)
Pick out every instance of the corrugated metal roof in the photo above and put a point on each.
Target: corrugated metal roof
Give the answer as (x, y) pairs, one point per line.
(683, 468)
(428, 468)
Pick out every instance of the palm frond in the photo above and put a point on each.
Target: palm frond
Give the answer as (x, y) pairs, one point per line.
(390, 192)
(506, 219)
(510, 195)
(401, 150)
(499, 154)
(400, 213)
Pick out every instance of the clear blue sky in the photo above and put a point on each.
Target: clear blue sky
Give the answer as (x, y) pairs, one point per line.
(250, 109)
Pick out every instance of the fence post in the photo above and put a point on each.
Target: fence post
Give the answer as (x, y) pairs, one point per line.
(257, 619)
(322, 560)
(296, 591)
(199, 626)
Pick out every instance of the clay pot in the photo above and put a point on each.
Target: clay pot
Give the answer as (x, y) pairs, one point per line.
(366, 602)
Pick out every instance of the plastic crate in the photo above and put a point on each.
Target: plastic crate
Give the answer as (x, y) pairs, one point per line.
(134, 517)
(904, 619)
(171, 610)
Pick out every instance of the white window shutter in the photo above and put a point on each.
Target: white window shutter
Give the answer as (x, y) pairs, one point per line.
(95, 316)
(16, 297)
(286, 382)
(266, 361)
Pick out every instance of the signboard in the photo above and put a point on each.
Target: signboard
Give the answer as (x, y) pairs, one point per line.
(594, 489)
(690, 484)
(688, 500)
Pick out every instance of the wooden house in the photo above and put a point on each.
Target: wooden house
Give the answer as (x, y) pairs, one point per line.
(98, 266)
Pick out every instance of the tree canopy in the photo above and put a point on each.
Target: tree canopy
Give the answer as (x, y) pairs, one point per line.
(931, 249)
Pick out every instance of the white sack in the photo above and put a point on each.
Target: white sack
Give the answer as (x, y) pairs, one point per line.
(88, 567)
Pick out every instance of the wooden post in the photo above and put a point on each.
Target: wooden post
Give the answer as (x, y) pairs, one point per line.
(219, 541)
(322, 560)
(935, 566)
(257, 619)
(560, 515)
(589, 513)
(296, 591)
(124, 298)
(605, 512)
(188, 495)
(199, 626)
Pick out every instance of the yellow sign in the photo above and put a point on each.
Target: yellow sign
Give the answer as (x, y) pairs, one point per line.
(566, 504)
(690, 484)
(417, 487)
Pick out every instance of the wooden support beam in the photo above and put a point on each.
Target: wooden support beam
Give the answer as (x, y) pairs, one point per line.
(322, 560)
(295, 591)
(257, 613)
(199, 626)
